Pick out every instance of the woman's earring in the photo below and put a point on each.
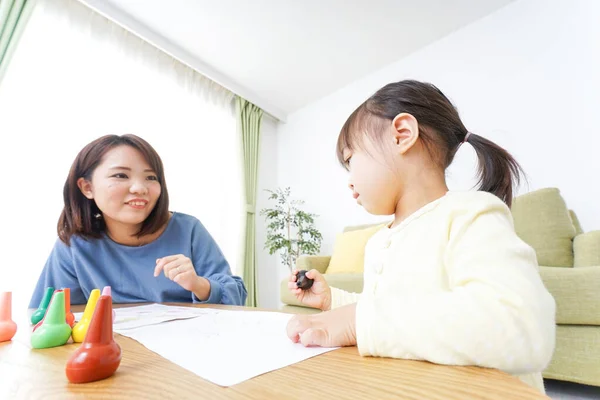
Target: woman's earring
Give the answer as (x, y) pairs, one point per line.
(98, 216)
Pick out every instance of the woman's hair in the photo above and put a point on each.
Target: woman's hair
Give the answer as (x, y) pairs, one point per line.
(440, 130)
(80, 215)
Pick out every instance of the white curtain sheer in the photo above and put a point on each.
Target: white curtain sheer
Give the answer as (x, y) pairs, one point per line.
(76, 76)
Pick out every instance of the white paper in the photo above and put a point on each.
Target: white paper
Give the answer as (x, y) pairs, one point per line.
(138, 316)
(223, 346)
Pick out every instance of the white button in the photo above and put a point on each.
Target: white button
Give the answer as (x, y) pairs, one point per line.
(387, 243)
(378, 268)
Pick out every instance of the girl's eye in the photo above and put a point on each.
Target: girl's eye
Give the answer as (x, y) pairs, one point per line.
(348, 161)
(152, 178)
(120, 176)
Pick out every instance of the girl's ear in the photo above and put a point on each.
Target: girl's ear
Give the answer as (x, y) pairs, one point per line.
(406, 132)
(86, 187)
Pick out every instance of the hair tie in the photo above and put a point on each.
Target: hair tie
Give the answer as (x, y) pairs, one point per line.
(466, 137)
(463, 142)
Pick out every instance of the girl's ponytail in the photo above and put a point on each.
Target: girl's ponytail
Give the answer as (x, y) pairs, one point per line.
(498, 172)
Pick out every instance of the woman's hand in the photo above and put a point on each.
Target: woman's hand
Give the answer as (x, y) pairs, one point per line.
(180, 270)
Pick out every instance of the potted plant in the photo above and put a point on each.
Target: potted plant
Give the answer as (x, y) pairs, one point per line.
(290, 230)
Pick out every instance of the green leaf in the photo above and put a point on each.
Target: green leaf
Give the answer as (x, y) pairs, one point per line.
(290, 229)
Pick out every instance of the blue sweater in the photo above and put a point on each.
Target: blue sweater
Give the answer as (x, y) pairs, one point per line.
(129, 271)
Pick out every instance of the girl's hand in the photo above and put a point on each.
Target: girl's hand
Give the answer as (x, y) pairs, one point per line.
(319, 295)
(329, 329)
(180, 270)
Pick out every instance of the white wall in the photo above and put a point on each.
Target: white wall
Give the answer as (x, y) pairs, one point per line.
(526, 77)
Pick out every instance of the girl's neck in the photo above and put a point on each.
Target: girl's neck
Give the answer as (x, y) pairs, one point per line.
(423, 191)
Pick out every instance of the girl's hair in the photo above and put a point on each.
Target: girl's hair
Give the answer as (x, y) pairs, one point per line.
(80, 215)
(440, 129)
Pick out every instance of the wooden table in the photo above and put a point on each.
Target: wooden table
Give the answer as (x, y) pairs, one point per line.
(27, 373)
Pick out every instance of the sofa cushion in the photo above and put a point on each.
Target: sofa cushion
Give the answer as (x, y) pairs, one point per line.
(586, 248)
(576, 292)
(349, 251)
(543, 221)
(348, 282)
(576, 223)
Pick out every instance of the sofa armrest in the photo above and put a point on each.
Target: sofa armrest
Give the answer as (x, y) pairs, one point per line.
(586, 247)
(320, 263)
(576, 293)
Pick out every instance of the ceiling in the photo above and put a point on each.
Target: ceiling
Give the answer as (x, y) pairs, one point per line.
(285, 54)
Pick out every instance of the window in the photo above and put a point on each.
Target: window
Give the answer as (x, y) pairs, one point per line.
(76, 76)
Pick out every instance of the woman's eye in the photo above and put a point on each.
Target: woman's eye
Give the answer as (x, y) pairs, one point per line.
(152, 178)
(120, 176)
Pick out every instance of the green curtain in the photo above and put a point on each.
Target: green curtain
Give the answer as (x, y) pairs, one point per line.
(249, 120)
(13, 17)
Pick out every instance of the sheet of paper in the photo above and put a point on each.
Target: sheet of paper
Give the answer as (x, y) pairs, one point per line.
(225, 347)
(138, 316)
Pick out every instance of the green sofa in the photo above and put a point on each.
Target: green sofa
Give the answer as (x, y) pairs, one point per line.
(569, 262)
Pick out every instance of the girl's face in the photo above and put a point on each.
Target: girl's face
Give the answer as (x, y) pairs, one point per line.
(124, 187)
(381, 173)
(374, 183)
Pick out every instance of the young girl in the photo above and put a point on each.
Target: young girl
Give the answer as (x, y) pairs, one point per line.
(116, 230)
(448, 281)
